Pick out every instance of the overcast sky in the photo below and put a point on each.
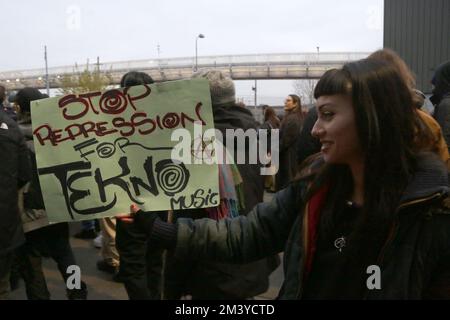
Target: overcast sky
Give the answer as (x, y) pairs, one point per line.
(75, 31)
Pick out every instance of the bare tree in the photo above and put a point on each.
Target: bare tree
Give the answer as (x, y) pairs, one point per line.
(304, 88)
(85, 81)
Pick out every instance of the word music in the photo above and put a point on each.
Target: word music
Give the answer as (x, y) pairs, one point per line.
(114, 103)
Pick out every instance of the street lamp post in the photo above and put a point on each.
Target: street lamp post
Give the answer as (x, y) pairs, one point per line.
(201, 36)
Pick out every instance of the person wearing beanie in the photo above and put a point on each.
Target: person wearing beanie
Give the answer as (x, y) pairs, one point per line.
(441, 99)
(52, 239)
(221, 87)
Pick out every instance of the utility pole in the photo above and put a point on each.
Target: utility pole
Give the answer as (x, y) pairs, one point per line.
(47, 84)
(255, 88)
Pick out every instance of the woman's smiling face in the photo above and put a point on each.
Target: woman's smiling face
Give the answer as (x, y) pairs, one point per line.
(336, 129)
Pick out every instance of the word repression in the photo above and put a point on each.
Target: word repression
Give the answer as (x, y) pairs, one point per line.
(113, 103)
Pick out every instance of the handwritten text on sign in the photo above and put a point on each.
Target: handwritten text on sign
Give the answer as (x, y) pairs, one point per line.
(98, 152)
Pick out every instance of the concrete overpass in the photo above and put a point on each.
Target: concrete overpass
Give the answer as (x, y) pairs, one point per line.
(239, 67)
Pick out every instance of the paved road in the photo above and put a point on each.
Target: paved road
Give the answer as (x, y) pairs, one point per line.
(100, 285)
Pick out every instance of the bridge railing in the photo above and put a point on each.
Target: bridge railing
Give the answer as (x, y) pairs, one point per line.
(188, 62)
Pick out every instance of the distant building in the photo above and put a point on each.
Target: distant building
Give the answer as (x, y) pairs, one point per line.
(419, 31)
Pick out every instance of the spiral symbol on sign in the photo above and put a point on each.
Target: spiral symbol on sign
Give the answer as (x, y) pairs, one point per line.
(172, 177)
(105, 150)
(171, 120)
(113, 102)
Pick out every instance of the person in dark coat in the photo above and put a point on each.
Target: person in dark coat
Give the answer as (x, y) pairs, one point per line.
(441, 99)
(15, 172)
(290, 129)
(51, 240)
(228, 115)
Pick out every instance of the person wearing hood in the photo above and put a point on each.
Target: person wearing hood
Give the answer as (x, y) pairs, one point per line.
(441, 99)
(52, 240)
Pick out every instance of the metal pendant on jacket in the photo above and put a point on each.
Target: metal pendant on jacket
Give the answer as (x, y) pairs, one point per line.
(340, 243)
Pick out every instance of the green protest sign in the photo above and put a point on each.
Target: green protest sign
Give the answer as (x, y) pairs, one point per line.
(99, 152)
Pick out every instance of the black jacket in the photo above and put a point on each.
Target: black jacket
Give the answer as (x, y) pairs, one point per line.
(14, 173)
(414, 263)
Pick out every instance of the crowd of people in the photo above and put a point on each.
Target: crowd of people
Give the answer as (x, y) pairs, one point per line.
(362, 181)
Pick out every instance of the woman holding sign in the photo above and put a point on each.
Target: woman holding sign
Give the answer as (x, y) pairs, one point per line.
(365, 221)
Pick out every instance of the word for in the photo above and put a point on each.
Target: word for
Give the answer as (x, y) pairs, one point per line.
(106, 150)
